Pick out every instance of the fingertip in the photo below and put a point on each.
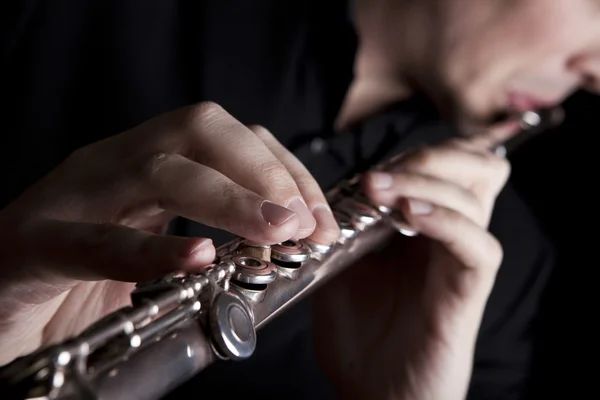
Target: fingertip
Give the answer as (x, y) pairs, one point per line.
(198, 253)
(271, 234)
(327, 230)
(377, 187)
(496, 135)
(278, 224)
(281, 233)
(306, 221)
(302, 234)
(419, 207)
(416, 213)
(377, 181)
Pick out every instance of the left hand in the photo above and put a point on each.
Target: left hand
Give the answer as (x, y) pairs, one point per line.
(402, 324)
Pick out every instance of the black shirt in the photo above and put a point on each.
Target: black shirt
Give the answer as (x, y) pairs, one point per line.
(76, 71)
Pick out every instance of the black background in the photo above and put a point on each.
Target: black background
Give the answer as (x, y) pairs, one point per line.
(557, 174)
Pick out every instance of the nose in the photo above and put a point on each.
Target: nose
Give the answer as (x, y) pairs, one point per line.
(588, 68)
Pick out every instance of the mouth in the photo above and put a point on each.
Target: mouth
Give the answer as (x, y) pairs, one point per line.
(523, 102)
(525, 112)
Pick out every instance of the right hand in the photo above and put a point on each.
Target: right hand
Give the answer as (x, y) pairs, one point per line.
(74, 243)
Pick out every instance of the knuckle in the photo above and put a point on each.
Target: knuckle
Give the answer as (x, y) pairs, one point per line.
(504, 168)
(411, 180)
(274, 175)
(493, 252)
(271, 169)
(455, 219)
(230, 198)
(497, 164)
(82, 155)
(155, 163)
(202, 113)
(499, 170)
(260, 131)
(422, 158)
(417, 159)
(99, 235)
(206, 109)
(481, 212)
(408, 183)
(457, 143)
(229, 193)
(308, 184)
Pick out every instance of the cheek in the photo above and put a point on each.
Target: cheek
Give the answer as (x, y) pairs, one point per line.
(544, 31)
(559, 31)
(532, 36)
(540, 58)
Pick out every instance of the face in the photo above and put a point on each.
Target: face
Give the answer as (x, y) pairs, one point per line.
(478, 58)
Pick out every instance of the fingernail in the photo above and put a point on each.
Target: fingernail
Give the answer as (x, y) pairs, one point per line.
(381, 180)
(200, 250)
(307, 221)
(418, 207)
(324, 218)
(275, 215)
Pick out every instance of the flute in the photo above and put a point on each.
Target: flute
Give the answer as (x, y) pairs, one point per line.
(180, 324)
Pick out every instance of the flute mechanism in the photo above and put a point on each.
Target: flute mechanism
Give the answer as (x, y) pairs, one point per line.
(180, 324)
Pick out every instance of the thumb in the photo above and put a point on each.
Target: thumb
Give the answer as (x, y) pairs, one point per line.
(87, 251)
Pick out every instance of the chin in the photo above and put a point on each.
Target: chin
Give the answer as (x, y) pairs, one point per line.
(467, 127)
(470, 123)
(472, 110)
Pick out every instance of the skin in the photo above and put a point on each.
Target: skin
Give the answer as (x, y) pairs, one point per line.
(474, 59)
(94, 225)
(76, 240)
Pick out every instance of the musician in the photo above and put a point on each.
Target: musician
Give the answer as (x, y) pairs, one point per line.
(235, 116)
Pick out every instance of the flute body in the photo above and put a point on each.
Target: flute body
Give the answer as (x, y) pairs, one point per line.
(178, 356)
(180, 324)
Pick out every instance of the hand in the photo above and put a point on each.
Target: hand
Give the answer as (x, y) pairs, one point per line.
(73, 243)
(402, 324)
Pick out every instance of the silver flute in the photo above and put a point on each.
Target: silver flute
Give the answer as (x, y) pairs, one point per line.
(180, 324)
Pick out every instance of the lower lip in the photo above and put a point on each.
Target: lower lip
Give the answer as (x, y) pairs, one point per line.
(522, 103)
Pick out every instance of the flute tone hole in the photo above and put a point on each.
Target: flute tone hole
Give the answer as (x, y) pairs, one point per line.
(250, 262)
(290, 265)
(251, 286)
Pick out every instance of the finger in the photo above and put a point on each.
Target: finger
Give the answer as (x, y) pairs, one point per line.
(158, 223)
(327, 230)
(221, 142)
(200, 193)
(468, 146)
(467, 241)
(388, 189)
(483, 174)
(87, 251)
(495, 136)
